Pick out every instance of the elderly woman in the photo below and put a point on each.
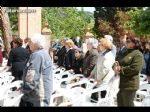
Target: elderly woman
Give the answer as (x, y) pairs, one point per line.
(37, 86)
(17, 58)
(103, 71)
(91, 57)
(113, 49)
(131, 65)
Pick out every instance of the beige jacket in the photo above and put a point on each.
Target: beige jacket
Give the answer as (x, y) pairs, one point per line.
(103, 71)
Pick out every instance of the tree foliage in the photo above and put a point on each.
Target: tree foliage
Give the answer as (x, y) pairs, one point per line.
(140, 21)
(66, 21)
(112, 17)
(13, 16)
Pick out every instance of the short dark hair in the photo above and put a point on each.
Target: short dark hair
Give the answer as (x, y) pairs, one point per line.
(18, 41)
(136, 41)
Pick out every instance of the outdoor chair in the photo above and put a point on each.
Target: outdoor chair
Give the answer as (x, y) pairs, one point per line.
(13, 96)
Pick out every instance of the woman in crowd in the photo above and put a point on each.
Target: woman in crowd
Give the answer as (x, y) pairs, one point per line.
(69, 57)
(37, 78)
(61, 53)
(148, 70)
(91, 57)
(148, 65)
(78, 62)
(131, 65)
(113, 49)
(146, 54)
(55, 48)
(17, 58)
(103, 71)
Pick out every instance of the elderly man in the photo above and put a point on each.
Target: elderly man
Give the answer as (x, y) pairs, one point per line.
(85, 41)
(122, 48)
(37, 86)
(114, 49)
(91, 57)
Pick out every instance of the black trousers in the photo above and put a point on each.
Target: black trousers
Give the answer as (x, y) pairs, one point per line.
(17, 74)
(35, 102)
(126, 98)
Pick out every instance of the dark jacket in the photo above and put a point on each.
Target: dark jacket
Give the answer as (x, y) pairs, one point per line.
(148, 66)
(120, 52)
(89, 61)
(28, 49)
(60, 55)
(77, 66)
(17, 58)
(69, 58)
(131, 65)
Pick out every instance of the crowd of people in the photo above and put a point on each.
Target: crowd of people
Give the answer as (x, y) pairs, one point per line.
(99, 62)
(99, 59)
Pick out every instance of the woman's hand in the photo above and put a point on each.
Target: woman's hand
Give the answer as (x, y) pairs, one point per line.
(117, 70)
(116, 67)
(56, 57)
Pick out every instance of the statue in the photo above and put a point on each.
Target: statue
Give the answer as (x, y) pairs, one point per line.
(45, 29)
(47, 33)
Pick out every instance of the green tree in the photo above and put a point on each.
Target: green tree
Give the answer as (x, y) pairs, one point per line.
(13, 16)
(108, 20)
(140, 21)
(66, 21)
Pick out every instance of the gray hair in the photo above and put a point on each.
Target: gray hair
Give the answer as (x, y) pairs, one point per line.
(38, 39)
(94, 42)
(109, 37)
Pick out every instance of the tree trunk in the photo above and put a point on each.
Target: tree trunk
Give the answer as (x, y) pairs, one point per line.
(6, 30)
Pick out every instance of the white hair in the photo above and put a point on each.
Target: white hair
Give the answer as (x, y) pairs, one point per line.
(38, 39)
(109, 37)
(94, 42)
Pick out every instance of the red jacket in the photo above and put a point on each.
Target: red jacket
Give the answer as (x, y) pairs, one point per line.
(1, 56)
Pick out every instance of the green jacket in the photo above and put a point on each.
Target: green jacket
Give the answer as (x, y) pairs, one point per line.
(131, 65)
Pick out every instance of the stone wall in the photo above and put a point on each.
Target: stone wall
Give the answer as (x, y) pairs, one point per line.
(29, 21)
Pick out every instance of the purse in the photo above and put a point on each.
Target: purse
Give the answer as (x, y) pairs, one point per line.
(30, 75)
